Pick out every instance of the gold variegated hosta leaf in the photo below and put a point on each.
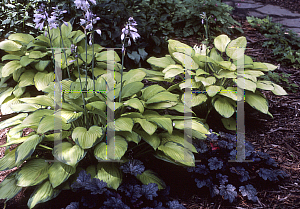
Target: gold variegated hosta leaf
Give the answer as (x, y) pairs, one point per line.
(9, 188)
(257, 101)
(178, 153)
(116, 150)
(130, 137)
(149, 127)
(196, 125)
(48, 123)
(32, 173)
(69, 154)
(229, 123)
(163, 97)
(109, 173)
(59, 173)
(26, 149)
(265, 85)
(135, 103)
(133, 76)
(121, 124)
(151, 91)
(9, 45)
(87, 139)
(43, 193)
(185, 60)
(221, 42)
(153, 140)
(8, 161)
(224, 107)
(195, 99)
(149, 176)
(278, 90)
(162, 62)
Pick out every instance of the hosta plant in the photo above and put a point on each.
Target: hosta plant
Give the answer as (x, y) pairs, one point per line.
(140, 128)
(215, 76)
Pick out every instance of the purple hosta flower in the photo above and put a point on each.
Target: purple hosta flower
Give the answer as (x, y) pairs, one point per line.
(57, 14)
(82, 4)
(130, 30)
(40, 17)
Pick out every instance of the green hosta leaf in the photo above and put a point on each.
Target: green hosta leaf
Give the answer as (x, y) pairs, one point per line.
(8, 187)
(227, 65)
(180, 107)
(148, 176)
(257, 101)
(235, 48)
(221, 42)
(66, 30)
(70, 116)
(130, 137)
(215, 55)
(177, 46)
(5, 93)
(265, 85)
(37, 54)
(18, 91)
(42, 80)
(133, 76)
(131, 89)
(26, 78)
(248, 76)
(162, 156)
(195, 85)
(23, 38)
(47, 124)
(224, 107)
(278, 90)
(10, 46)
(122, 124)
(186, 60)
(112, 55)
(229, 123)
(151, 91)
(196, 125)
(177, 137)
(87, 139)
(32, 173)
(25, 60)
(10, 67)
(178, 153)
(119, 145)
(41, 100)
(245, 61)
(36, 116)
(109, 173)
(162, 62)
(68, 154)
(149, 127)
(13, 121)
(8, 161)
(26, 149)
(195, 99)
(151, 72)
(162, 97)
(97, 104)
(135, 103)
(24, 107)
(201, 72)
(41, 65)
(255, 73)
(172, 72)
(205, 81)
(43, 193)
(153, 140)
(246, 84)
(161, 105)
(263, 66)
(59, 173)
(225, 74)
(213, 90)
(11, 57)
(165, 123)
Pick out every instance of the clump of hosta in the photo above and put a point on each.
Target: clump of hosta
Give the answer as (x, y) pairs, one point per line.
(217, 74)
(140, 126)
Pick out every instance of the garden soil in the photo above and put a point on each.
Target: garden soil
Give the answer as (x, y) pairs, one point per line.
(279, 137)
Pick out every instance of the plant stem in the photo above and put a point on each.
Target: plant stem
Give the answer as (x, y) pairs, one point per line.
(62, 41)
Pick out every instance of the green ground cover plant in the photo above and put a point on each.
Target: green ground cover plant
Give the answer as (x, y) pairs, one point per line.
(285, 43)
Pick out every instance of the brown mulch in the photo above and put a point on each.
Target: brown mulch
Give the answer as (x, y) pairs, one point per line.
(279, 137)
